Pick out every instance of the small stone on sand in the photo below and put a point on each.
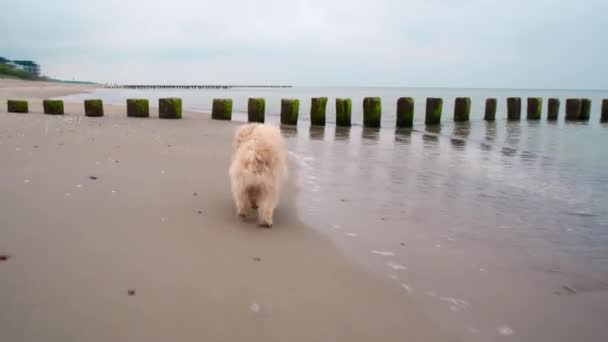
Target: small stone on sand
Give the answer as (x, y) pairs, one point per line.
(93, 177)
(200, 211)
(131, 292)
(258, 259)
(195, 194)
(569, 289)
(4, 257)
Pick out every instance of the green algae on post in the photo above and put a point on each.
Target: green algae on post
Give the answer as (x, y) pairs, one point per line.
(553, 109)
(93, 108)
(462, 109)
(573, 109)
(16, 106)
(222, 109)
(53, 107)
(318, 106)
(490, 113)
(372, 112)
(343, 112)
(256, 108)
(434, 105)
(170, 108)
(514, 108)
(138, 108)
(290, 109)
(535, 108)
(405, 112)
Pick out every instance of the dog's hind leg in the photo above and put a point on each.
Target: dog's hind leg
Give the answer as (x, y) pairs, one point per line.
(266, 205)
(242, 204)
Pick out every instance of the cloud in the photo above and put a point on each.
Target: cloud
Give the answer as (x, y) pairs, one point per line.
(467, 43)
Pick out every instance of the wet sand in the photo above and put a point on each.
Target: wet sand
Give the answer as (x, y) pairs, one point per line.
(123, 229)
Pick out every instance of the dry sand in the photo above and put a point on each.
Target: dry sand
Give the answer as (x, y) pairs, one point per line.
(158, 220)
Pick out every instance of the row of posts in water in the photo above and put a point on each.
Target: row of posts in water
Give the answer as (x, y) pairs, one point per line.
(171, 108)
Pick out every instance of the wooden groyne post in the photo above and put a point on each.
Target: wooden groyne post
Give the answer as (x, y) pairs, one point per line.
(434, 105)
(256, 110)
(343, 112)
(222, 109)
(16, 106)
(553, 109)
(290, 109)
(405, 112)
(514, 108)
(535, 107)
(53, 107)
(490, 112)
(318, 107)
(138, 108)
(93, 108)
(372, 112)
(170, 108)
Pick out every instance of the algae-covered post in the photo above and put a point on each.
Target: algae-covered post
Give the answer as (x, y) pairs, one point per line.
(573, 109)
(16, 106)
(405, 112)
(372, 112)
(53, 107)
(222, 109)
(318, 106)
(434, 105)
(513, 108)
(553, 109)
(490, 113)
(256, 109)
(138, 108)
(585, 110)
(93, 108)
(170, 108)
(535, 105)
(604, 117)
(343, 112)
(290, 109)
(462, 109)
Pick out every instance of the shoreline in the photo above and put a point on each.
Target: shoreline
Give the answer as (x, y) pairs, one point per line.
(134, 254)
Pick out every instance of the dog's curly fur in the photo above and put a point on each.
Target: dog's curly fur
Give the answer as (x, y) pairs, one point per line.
(257, 170)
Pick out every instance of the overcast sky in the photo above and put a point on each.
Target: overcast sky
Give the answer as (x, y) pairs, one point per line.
(451, 43)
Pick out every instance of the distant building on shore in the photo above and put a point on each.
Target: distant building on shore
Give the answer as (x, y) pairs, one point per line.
(29, 66)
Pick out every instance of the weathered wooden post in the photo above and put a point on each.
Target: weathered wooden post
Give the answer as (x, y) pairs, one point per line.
(405, 112)
(318, 106)
(372, 112)
(138, 108)
(604, 117)
(490, 113)
(514, 108)
(256, 110)
(343, 112)
(222, 109)
(93, 108)
(553, 109)
(53, 107)
(290, 109)
(462, 109)
(434, 105)
(535, 107)
(585, 109)
(16, 106)
(170, 108)
(573, 109)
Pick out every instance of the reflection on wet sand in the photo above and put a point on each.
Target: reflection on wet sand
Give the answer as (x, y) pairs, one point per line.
(317, 132)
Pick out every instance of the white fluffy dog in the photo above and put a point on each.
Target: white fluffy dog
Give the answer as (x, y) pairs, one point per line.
(258, 169)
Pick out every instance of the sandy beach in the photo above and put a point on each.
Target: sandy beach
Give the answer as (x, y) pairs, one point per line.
(123, 229)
